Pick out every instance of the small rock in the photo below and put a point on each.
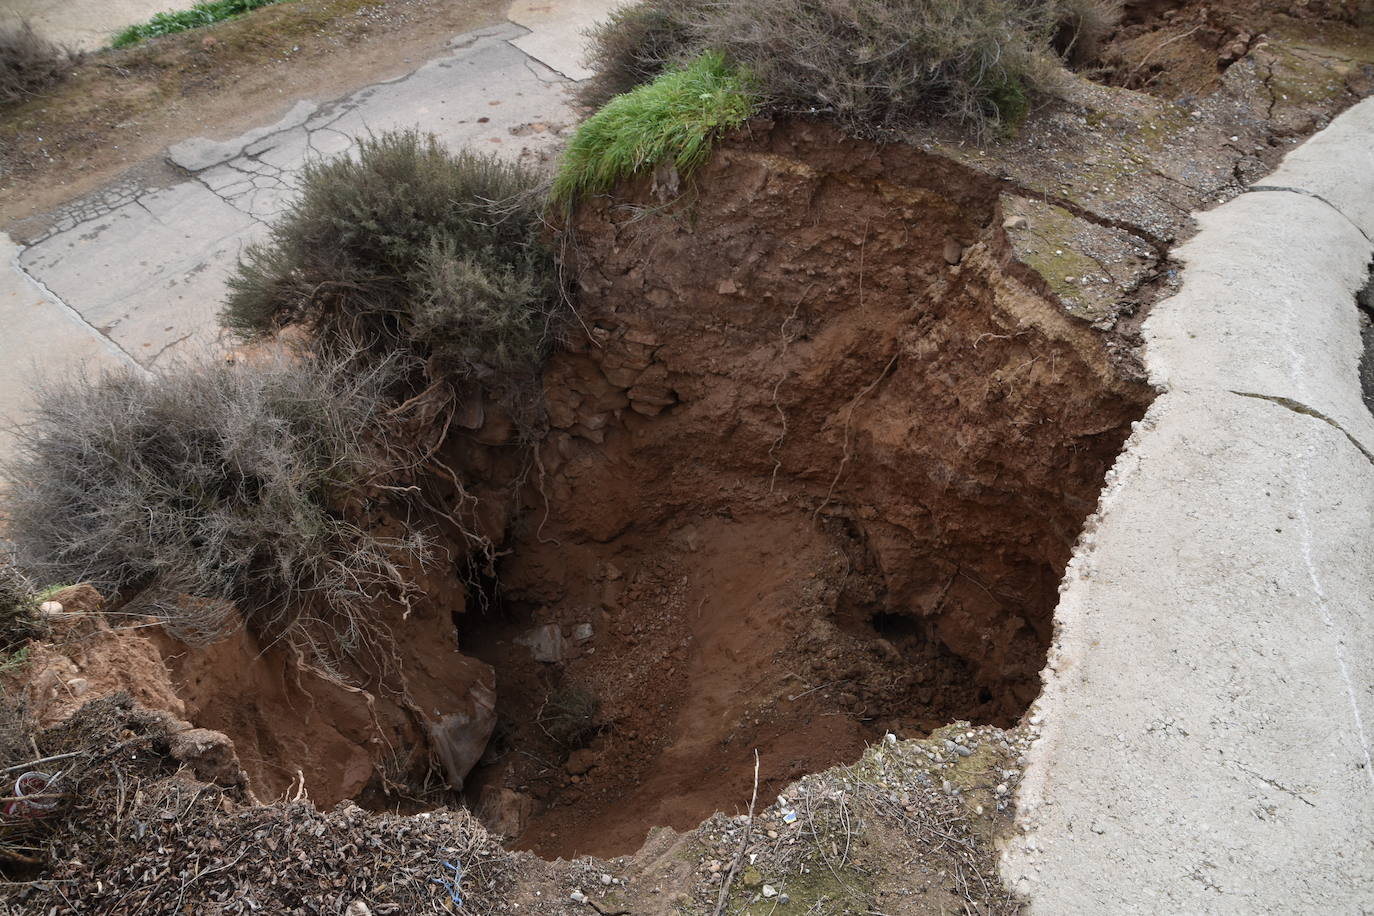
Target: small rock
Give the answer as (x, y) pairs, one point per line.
(727, 288)
(1016, 222)
(50, 608)
(713, 866)
(954, 252)
(769, 891)
(357, 908)
(582, 632)
(1001, 788)
(962, 751)
(78, 686)
(607, 880)
(580, 761)
(751, 877)
(577, 897)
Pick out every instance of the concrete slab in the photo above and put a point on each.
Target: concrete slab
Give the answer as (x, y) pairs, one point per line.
(485, 94)
(146, 268)
(43, 338)
(1248, 320)
(557, 36)
(150, 273)
(1336, 165)
(83, 24)
(1205, 743)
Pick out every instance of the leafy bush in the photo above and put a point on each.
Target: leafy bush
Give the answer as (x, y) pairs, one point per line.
(408, 246)
(875, 65)
(29, 63)
(212, 491)
(673, 118)
(202, 14)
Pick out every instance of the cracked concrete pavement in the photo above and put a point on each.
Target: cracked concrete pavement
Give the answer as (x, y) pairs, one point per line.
(135, 272)
(1208, 709)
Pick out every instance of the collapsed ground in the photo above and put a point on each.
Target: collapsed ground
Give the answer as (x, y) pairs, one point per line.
(815, 466)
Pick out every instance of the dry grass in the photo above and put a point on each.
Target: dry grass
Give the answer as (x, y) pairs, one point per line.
(30, 63)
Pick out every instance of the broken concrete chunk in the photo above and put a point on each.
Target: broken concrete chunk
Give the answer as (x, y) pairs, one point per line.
(460, 738)
(545, 643)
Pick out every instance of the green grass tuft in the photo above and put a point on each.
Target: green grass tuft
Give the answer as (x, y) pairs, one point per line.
(202, 14)
(675, 118)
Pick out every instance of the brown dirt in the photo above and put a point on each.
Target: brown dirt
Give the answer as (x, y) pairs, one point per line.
(824, 488)
(1180, 50)
(120, 109)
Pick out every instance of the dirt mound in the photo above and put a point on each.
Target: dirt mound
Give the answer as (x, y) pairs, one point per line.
(815, 474)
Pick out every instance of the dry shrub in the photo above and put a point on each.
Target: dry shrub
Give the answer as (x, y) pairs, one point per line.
(29, 63)
(875, 65)
(211, 492)
(408, 247)
(1081, 29)
(636, 43)
(569, 715)
(19, 618)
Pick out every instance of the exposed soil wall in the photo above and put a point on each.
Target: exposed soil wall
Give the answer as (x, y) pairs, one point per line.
(816, 468)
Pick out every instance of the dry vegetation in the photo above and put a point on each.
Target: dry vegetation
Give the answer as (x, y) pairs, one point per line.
(874, 66)
(410, 247)
(30, 63)
(212, 492)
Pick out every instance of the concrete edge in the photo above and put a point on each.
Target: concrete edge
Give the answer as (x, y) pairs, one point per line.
(1335, 168)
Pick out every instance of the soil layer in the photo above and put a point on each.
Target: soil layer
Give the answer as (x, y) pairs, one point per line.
(814, 475)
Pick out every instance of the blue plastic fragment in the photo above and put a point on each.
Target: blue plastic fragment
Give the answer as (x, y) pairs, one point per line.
(452, 886)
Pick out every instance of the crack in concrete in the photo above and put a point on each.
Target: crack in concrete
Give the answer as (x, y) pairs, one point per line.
(1300, 408)
(1314, 196)
(1275, 783)
(1157, 243)
(109, 342)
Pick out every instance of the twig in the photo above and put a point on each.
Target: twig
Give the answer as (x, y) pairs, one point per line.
(743, 846)
(847, 418)
(777, 405)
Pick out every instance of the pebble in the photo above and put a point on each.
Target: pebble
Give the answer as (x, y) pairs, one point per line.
(50, 608)
(769, 891)
(1036, 719)
(1001, 788)
(607, 880)
(577, 897)
(963, 751)
(1015, 222)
